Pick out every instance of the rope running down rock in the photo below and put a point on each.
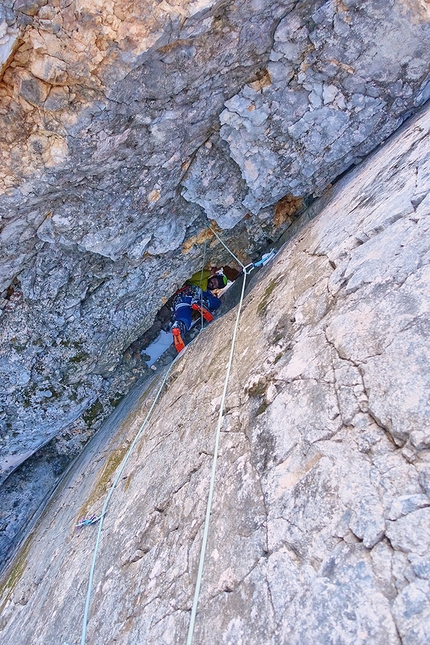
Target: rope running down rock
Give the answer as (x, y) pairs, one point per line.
(246, 270)
(109, 495)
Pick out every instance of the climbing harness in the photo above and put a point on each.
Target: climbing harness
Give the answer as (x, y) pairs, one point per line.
(189, 297)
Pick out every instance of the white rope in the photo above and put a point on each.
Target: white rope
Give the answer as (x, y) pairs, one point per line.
(226, 247)
(212, 481)
(109, 495)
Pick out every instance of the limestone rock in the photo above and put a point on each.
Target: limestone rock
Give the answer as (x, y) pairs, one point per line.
(124, 126)
(333, 90)
(320, 524)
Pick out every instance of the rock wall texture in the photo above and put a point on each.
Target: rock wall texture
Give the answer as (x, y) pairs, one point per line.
(111, 110)
(124, 127)
(320, 529)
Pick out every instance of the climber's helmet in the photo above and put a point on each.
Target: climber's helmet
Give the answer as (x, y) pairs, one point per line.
(217, 281)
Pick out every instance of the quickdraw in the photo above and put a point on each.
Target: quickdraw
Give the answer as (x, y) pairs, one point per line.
(87, 521)
(260, 263)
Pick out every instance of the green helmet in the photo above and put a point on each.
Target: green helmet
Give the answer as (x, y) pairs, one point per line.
(222, 280)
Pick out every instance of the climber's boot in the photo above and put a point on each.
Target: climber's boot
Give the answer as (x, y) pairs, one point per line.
(177, 331)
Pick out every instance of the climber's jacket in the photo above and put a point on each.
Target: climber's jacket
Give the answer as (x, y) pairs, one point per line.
(200, 279)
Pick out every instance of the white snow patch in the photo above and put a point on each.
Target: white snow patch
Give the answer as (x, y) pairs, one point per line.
(158, 347)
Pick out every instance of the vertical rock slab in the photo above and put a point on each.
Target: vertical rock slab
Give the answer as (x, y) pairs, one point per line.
(321, 518)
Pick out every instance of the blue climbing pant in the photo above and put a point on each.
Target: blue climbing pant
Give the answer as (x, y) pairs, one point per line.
(183, 311)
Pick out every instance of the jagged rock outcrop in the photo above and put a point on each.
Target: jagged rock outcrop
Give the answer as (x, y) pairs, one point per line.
(92, 245)
(321, 518)
(123, 127)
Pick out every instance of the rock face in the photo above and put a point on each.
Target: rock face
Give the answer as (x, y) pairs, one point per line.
(124, 127)
(320, 525)
(109, 114)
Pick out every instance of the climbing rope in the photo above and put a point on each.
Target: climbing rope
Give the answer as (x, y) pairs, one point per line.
(93, 519)
(253, 265)
(201, 280)
(212, 481)
(246, 270)
(226, 247)
(109, 495)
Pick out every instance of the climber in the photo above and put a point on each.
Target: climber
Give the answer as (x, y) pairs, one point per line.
(201, 278)
(193, 297)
